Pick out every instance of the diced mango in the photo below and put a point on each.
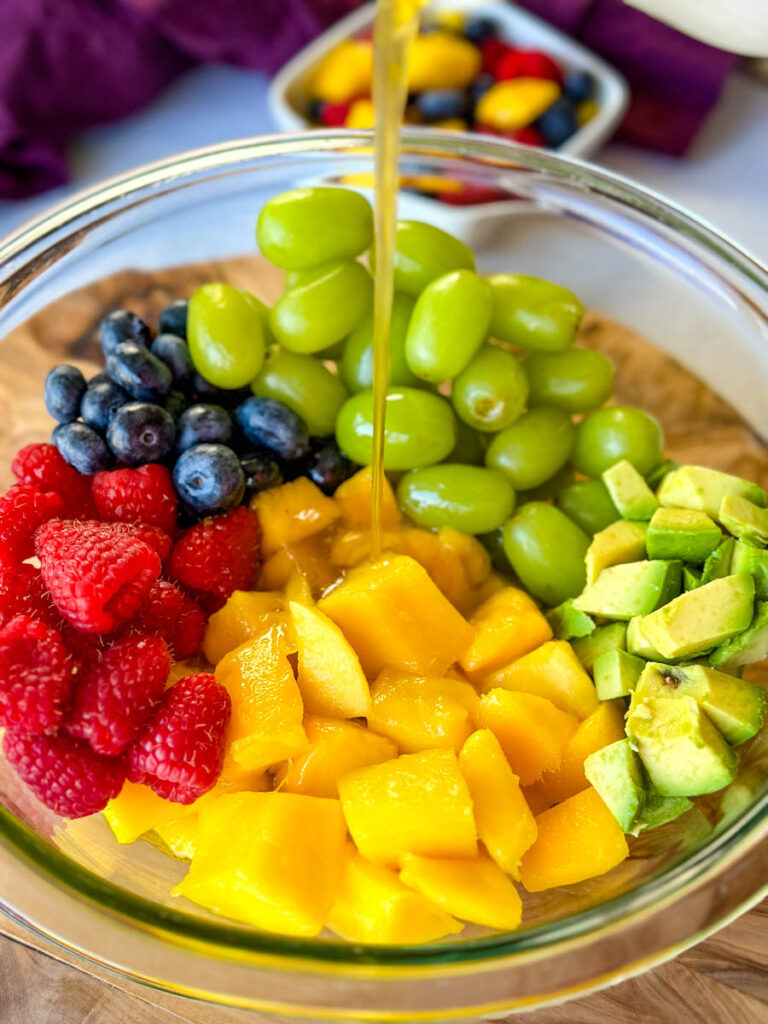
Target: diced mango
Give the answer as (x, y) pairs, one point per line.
(473, 890)
(267, 708)
(306, 565)
(335, 748)
(457, 562)
(272, 860)
(137, 810)
(395, 617)
(417, 803)
(373, 905)
(180, 836)
(422, 712)
(507, 626)
(247, 614)
(578, 839)
(552, 671)
(331, 679)
(532, 732)
(504, 821)
(291, 512)
(354, 499)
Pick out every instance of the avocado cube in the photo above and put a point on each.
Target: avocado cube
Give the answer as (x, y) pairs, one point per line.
(703, 490)
(682, 533)
(745, 520)
(654, 478)
(747, 558)
(612, 637)
(746, 648)
(618, 543)
(700, 619)
(691, 578)
(616, 674)
(659, 810)
(630, 493)
(569, 624)
(616, 772)
(635, 588)
(637, 644)
(683, 753)
(718, 564)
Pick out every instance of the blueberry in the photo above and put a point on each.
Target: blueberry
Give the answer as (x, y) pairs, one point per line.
(64, 389)
(141, 432)
(261, 471)
(480, 86)
(100, 403)
(578, 85)
(99, 378)
(269, 423)
(173, 319)
(477, 30)
(122, 325)
(327, 467)
(558, 122)
(176, 403)
(209, 478)
(83, 448)
(442, 104)
(203, 423)
(204, 391)
(173, 351)
(142, 375)
(314, 111)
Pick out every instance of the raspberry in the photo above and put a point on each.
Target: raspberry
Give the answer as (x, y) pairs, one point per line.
(157, 539)
(22, 592)
(219, 554)
(170, 613)
(181, 748)
(43, 466)
(118, 692)
(64, 773)
(98, 573)
(22, 509)
(143, 495)
(36, 676)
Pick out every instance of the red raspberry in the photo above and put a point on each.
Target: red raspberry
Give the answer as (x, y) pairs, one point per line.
(22, 592)
(492, 50)
(43, 466)
(334, 115)
(143, 495)
(181, 748)
(64, 773)
(540, 65)
(98, 573)
(219, 554)
(510, 64)
(118, 692)
(529, 135)
(22, 509)
(170, 613)
(36, 676)
(157, 539)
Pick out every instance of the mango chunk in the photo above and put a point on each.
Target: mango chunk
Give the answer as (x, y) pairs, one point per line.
(291, 512)
(267, 708)
(417, 803)
(505, 823)
(552, 671)
(507, 626)
(335, 748)
(396, 617)
(373, 905)
(137, 810)
(456, 562)
(532, 732)
(578, 839)
(303, 570)
(272, 860)
(354, 500)
(422, 712)
(180, 836)
(473, 890)
(247, 614)
(331, 679)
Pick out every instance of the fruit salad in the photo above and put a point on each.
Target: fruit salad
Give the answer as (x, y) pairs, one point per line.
(544, 662)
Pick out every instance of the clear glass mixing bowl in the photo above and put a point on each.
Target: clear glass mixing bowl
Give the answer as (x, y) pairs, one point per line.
(628, 254)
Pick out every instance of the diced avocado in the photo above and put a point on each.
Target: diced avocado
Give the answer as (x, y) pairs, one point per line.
(747, 558)
(702, 489)
(616, 674)
(682, 533)
(745, 520)
(618, 543)
(718, 564)
(569, 624)
(746, 648)
(612, 637)
(635, 588)
(656, 475)
(637, 643)
(700, 619)
(617, 774)
(659, 810)
(630, 493)
(682, 751)
(691, 578)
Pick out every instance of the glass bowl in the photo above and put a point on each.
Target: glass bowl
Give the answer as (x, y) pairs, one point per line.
(628, 254)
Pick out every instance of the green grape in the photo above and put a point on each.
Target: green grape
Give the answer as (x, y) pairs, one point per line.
(357, 362)
(225, 335)
(562, 478)
(448, 325)
(576, 380)
(546, 550)
(330, 301)
(334, 353)
(304, 385)
(467, 498)
(607, 436)
(533, 313)
(424, 253)
(534, 448)
(309, 226)
(491, 391)
(588, 504)
(469, 448)
(493, 543)
(420, 430)
(263, 310)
